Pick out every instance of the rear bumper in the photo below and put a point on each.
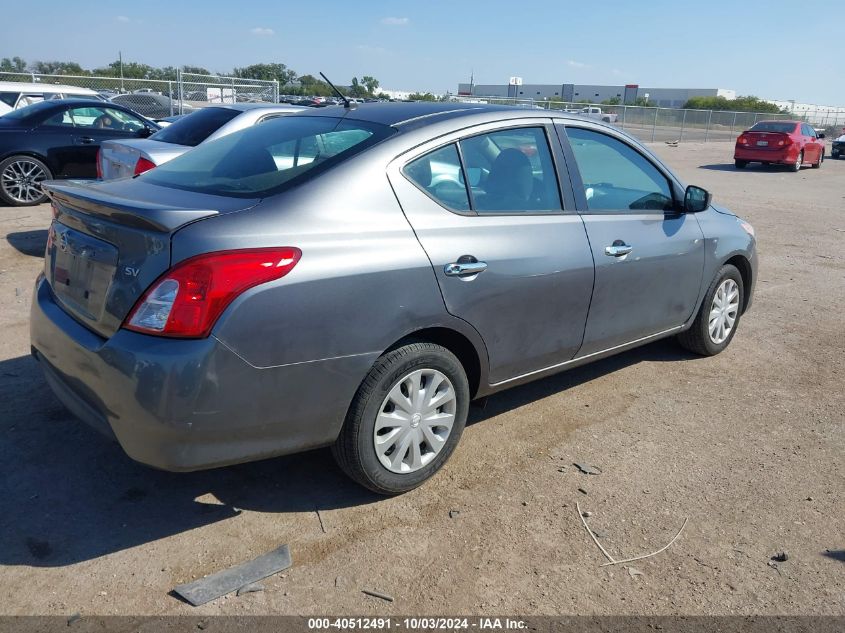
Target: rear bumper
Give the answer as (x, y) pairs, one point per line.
(752, 155)
(189, 404)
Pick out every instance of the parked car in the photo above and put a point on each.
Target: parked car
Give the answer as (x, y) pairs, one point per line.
(356, 278)
(791, 143)
(837, 148)
(122, 158)
(59, 139)
(14, 95)
(596, 113)
(151, 105)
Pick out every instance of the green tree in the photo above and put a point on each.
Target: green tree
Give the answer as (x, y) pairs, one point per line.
(357, 89)
(740, 104)
(197, 70)
(58, 68)
(612, 101)
(14, 65)
(417, 96)
(267, 72)
(370, 83)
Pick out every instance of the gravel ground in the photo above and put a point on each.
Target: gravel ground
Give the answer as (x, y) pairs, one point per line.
(747, 445)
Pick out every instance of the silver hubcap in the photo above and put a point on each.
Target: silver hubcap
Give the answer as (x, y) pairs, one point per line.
(22, 179)
(414, 421)
(723, 311)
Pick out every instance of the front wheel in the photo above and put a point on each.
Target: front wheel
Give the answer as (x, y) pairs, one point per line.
(405, 419)
(819, 162)
(20, 181)
(717, 319)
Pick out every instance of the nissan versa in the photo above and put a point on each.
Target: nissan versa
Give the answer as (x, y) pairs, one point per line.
(355, 277)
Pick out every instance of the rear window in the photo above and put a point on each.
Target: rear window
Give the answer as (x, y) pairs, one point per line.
(773, 126)
(30, 110)
(266, 159)
(196, 127)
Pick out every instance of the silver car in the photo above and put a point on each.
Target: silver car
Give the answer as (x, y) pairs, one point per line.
(354, 278)
(130, 157)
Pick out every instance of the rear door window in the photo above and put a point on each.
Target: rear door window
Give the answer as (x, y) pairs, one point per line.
(439, 174)
(511, 171)
(9, 98)
(193, 129)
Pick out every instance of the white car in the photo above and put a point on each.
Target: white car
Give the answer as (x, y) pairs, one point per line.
(130, 157)
(15, 94)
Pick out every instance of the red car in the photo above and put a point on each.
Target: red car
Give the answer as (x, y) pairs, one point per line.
(790, 143)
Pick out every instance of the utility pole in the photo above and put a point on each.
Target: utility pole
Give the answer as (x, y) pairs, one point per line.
(120, 61)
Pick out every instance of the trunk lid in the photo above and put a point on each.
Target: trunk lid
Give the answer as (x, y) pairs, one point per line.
(118, 158)
(766, 140)
(110, 241)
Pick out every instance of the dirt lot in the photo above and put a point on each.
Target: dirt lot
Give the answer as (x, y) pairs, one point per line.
(748, 445)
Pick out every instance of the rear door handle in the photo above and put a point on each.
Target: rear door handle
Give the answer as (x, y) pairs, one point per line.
(618, 249)
(464, 269)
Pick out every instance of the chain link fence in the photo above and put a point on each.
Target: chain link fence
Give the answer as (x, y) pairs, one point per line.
(154, 98)
(653, 124)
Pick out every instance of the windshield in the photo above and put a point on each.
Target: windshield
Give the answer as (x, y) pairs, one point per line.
(268, 158)
(196, 127)
(774, 126)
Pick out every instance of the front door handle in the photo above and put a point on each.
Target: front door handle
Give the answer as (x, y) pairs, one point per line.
(86, 140)
(464, 269)
(618, 249)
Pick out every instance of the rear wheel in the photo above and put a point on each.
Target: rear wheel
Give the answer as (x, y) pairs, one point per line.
(717, 319)
(741, 164)
(405, 419)
(20, 181)
(796, 166)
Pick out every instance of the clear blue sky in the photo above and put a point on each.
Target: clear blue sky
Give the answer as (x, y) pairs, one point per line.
(775, 49)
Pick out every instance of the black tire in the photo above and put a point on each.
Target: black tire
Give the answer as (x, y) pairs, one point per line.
(741, 164)
(354, 449)
(7, 195)
(796, 166)
(819, 162)
(697, 338)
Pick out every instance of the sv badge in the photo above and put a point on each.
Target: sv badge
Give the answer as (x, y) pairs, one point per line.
(131, 272)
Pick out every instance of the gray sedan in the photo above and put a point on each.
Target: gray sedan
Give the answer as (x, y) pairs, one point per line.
(122, 158)
(353, 278)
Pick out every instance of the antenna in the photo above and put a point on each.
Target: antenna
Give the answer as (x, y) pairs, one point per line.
(346, 102)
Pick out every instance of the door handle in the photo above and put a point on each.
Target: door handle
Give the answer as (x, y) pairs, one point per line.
(618, 249)
(86, 140)
(464, 269)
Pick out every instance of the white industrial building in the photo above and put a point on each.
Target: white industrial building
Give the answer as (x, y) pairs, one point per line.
(664, 97)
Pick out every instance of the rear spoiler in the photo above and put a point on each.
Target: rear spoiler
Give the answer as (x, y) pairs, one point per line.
(129, 212)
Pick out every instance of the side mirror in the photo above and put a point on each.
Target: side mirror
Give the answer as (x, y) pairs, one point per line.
(144, 132)
(821, 135)
(696, 199)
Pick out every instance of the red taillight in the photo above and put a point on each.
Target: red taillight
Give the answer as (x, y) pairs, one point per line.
(187, 300)
(143, 165)
(742, 140)
(99, 166)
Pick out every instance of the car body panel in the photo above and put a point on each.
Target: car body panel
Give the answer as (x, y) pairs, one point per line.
(284, 360)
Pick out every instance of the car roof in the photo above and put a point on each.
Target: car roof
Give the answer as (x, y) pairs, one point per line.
(243, 107)
(42, 87)
(407, 116)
